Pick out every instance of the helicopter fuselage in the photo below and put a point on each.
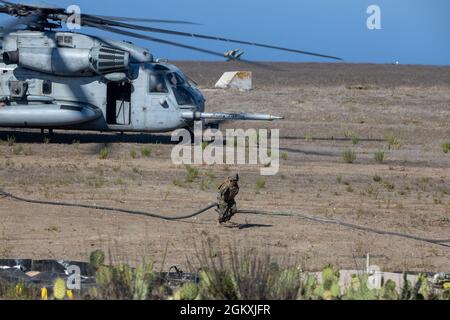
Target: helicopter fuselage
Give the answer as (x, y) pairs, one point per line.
(65, 80)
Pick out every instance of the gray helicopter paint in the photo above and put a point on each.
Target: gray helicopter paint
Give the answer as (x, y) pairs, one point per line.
(30, 39)
(147, 113)
(78, 98)
(46, 115)
(88, 93)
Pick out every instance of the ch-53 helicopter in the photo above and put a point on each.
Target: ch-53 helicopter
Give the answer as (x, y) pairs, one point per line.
(55, 79)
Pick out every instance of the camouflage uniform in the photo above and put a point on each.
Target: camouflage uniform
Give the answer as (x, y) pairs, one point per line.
(228, 190)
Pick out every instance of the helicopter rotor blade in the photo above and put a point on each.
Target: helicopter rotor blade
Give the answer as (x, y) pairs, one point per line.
(8, 3)
(171, 43)
(144, 20)
(150, 38)
(54, 13)
(199, 36)
(30, 9)
(54, 9)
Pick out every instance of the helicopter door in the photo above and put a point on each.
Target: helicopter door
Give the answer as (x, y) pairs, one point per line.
(118, 107)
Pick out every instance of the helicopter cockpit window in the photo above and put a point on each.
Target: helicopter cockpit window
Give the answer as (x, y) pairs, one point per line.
(157, 83)
(175, 79)
(183, 96)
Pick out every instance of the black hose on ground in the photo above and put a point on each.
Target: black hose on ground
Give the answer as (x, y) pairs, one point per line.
(440, 242)
(94, 207)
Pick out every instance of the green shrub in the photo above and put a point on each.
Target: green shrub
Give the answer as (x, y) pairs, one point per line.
(355, 138)
(124, 283)
(349, 156)
(11, 140)
(104, 153)
(247, 274)
(260, 184)
(379, 156)
(392, 141)
(329, 289)
(446, 147)
(97, 258)
(189, 291)
(192, 173)
(146, 151)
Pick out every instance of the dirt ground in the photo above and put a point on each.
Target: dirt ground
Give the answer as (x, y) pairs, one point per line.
(328, 108)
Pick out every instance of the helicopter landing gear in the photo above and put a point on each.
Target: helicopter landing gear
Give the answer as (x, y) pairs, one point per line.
(191, 133)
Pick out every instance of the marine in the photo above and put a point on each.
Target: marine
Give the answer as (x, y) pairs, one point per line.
(228, 191)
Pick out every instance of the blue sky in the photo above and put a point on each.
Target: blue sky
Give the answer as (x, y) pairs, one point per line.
(413, 31)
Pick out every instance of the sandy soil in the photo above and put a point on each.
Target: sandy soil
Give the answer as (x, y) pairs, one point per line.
(323, 105)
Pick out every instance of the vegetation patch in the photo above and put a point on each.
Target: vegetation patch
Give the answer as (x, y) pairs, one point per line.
(349, 156)
(446, 146)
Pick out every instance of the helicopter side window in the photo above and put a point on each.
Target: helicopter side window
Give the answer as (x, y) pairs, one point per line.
(64, 41)
(68, 40)
(157, 83)
(46, 87)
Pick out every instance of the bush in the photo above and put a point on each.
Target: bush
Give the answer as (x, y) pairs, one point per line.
(247, 274)
(227, 273)
(349, 156)
(379, 156)
(392, 141)
(192, 173)
(446, 147)
(146, 151)
(11, 140)
(260, 184)
(104, 153)
(355, 139)
(124, 283)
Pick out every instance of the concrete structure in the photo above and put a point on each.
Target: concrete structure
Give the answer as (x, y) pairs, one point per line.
(240, 80)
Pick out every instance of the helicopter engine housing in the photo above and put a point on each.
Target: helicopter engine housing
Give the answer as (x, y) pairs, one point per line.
(70, 61)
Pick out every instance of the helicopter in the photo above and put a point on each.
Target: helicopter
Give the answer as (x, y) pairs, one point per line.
(56, 79)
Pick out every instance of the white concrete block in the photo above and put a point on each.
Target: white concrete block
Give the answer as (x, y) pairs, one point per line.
(239, 80)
